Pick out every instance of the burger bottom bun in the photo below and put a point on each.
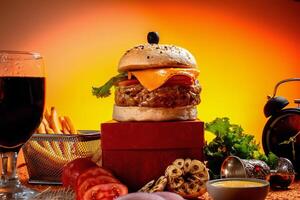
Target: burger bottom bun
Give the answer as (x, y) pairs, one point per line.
(134, 113)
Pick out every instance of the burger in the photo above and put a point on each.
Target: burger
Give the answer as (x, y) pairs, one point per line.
(155, 83)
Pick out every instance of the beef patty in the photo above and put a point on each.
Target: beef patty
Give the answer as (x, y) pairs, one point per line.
(165, 96)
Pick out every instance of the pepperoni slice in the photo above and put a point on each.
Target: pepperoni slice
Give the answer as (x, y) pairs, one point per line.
(92, 181)
(92, 172)
(108, 191)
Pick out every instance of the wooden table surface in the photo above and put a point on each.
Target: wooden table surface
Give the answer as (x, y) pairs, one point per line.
(292, 193)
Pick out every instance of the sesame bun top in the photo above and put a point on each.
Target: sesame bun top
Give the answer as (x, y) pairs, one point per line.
(156, 56)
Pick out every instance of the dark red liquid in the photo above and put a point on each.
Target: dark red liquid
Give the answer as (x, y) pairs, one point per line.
(21, 109)
(283, 181)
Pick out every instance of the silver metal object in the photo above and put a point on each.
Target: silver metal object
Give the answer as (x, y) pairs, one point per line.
(43, 162)
(283, 175)
(234, 167)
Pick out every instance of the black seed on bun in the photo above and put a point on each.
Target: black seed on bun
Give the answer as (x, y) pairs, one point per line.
(153, 38)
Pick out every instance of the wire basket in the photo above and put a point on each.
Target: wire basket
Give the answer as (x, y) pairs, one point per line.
(46, 154)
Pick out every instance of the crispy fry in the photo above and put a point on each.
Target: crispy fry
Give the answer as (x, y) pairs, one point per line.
(64, 125)
(65, 129)
(47, 153)
(47, 126)
(49, 130)
(47, 145)
(54, 146)
(41, 128)
(45, 122)
(70, 125)
(47, 114)
(54, 122)
(61, 121)
(66, 148)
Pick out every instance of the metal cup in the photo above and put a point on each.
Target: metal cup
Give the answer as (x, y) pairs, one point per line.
(235, 167)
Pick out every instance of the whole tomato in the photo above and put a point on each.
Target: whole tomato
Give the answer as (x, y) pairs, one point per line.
(73, 169)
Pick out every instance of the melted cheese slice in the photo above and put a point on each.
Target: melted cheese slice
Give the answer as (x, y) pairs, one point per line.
(152, 79)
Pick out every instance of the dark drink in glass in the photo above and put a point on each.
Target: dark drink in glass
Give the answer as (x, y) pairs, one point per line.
(22, 98)
(21, 108)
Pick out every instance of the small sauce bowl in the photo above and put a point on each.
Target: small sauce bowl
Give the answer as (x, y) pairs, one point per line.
(238, 188)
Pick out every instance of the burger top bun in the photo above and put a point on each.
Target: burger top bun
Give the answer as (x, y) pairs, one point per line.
(156, 56)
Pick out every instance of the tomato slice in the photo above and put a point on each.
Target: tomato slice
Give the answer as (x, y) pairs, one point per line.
(108, 191)
(179, 80)
(92, 172)
(92, 181)
(73, 169)
(174, 80)
(128, 82)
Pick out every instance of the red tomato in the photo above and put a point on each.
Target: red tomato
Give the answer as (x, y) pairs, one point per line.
(108, 191)
(73, 169)
(92, 181)
(128, 82)
(92, 172)
(179, 80)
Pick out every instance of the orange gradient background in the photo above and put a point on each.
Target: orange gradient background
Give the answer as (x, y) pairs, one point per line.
(242, 48)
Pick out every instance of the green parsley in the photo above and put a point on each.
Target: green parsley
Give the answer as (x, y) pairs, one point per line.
(231, 140)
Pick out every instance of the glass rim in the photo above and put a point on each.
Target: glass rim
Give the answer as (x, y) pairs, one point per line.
(33, 55)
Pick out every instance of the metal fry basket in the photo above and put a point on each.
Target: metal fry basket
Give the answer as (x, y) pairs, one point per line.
(46, 154)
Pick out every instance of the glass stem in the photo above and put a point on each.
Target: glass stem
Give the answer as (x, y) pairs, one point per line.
(4, 168)
(9, 162)
(13, 166)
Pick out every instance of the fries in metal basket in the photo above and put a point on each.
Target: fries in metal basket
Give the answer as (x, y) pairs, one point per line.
(53, 124)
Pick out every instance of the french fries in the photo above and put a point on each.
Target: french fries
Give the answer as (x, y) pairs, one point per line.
(70, 125)
(64, 125)
(53, 124)
(48, 154)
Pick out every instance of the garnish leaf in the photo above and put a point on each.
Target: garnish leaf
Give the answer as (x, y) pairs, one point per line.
(219, 127)
(104, 90)
(232, 140)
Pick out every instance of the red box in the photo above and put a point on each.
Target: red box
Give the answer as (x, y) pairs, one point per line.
(138, 152)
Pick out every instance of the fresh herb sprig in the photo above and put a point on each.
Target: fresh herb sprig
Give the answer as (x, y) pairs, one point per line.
(231, 140)
(104, 90)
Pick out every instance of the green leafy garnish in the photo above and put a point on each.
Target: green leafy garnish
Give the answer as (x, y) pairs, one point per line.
(231, 140)
(104, 90)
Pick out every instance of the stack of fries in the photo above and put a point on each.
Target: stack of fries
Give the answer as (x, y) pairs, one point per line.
(57, 151)
(51, 123)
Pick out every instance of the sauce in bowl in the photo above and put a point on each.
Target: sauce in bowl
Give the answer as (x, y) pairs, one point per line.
(237, 184)
(238, 188)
